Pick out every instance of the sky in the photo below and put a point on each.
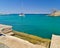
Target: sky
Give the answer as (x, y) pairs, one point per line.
(29, 6)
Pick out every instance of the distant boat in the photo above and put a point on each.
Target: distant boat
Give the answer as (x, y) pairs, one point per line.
(22, 14)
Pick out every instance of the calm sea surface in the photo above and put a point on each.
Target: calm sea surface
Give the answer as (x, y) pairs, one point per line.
(36, 24)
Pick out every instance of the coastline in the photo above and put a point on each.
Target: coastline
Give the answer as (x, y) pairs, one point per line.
(24, 40)
(32, 39)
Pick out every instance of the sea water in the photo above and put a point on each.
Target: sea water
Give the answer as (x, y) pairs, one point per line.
(36, 24)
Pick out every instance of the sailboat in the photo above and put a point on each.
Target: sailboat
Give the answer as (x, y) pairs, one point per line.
(22, 14)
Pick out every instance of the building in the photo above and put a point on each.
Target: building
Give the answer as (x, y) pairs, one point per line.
(6, 29)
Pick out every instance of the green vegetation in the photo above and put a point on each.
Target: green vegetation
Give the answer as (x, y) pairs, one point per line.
(31, 38)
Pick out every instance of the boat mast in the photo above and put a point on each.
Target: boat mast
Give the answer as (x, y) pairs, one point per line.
(21, 6)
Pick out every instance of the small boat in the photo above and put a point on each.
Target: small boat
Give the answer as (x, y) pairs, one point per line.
(22, 14)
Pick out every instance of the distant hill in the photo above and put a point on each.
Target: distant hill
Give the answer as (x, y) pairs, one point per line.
(55, 13)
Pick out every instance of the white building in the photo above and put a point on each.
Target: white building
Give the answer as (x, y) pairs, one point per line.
(5, 29)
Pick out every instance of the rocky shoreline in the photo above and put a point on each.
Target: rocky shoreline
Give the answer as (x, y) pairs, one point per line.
(21, 40)
(55, 13)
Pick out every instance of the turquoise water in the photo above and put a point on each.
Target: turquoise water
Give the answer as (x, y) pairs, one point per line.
(36, 24)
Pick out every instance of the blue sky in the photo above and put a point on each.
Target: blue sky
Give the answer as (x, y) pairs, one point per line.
(28, 6)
